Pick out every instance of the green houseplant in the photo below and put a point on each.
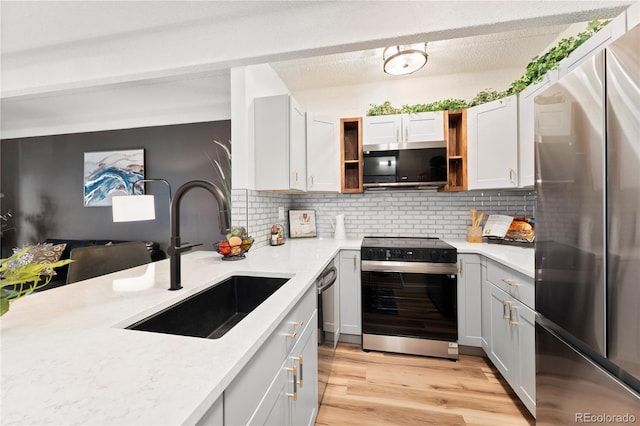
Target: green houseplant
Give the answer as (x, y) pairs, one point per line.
(20, 276)
(535, 70)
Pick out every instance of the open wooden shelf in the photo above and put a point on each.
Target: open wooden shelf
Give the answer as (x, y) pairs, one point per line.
(456, 136)
(351, 161)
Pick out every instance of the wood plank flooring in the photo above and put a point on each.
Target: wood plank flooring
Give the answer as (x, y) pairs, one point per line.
(378, 388)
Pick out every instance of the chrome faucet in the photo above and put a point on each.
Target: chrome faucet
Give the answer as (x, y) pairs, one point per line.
(175, 248)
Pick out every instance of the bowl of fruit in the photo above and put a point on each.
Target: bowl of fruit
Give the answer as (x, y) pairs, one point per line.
(237, 244)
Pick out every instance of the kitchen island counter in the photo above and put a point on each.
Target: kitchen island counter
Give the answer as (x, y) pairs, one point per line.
(68, 359)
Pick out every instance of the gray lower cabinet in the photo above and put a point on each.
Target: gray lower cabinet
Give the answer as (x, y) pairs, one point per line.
(508, 329)
(469, 295)
(350, 298)
(214, 415)
(279, 384)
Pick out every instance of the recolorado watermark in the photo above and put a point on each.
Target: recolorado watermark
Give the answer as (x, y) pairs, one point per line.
(605, 418)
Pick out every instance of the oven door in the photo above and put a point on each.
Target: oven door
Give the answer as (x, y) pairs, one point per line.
(410, 299)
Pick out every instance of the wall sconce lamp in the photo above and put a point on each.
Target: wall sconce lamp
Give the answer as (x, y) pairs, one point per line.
(134, 208)
(402, 60)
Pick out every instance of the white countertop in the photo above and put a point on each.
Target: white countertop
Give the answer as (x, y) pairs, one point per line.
(521, 259)
(67, 359)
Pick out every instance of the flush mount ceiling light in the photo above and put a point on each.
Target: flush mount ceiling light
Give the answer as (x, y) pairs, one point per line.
(402, 60)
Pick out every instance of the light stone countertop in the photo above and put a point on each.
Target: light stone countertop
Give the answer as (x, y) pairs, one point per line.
(521, 259)
(67, 359)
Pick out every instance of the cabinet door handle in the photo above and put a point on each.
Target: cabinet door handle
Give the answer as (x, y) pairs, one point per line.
(460, 271)
(504, 310)
(299, 359)
(311, 179)
(406, 134)
(511, 309)
(355, 263)
(397, 135)
(294, 395)
(511, 283)
(512, 174)
(296, 176)
(296, 327)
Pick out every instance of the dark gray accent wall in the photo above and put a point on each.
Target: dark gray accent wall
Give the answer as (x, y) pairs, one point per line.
(42, 182)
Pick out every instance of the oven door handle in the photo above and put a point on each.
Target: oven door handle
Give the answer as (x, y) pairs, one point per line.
(409, 267)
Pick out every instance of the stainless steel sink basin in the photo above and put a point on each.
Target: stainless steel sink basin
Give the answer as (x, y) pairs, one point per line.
(214, 311)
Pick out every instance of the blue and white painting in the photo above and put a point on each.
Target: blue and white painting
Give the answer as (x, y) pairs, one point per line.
(109, 173)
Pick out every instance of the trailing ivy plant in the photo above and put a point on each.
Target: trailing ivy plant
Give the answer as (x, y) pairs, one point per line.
(486, 95)
(383, 109)
(534, 72)
(551, 59)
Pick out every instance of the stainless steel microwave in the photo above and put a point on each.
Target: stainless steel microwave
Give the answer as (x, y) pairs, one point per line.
(405, 168)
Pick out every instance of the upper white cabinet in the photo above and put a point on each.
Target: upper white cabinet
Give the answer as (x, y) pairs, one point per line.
(423, 127)
(323, 154)
(492, 144)
(595, 43)
(405, 129)
(526, 128)
(280, 144)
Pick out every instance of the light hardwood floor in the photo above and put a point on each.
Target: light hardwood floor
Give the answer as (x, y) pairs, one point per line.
(378, 388)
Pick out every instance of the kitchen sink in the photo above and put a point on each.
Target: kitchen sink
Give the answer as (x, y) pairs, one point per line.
(214, 311)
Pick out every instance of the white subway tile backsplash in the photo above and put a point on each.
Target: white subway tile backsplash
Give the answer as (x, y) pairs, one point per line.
(392, 213)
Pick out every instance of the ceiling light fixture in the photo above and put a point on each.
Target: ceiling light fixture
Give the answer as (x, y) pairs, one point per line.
(402, 60)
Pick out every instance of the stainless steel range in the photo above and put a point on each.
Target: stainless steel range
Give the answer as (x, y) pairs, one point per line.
(409, 296)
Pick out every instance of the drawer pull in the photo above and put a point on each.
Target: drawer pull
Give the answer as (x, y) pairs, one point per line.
(511, 283)
(296, 327)
(511, 309)
(299, 359)
(294, 395)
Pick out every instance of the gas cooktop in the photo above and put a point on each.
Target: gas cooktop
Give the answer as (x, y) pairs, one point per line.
(409, 249)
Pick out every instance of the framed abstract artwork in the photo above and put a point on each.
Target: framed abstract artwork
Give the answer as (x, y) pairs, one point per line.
(109, 173)
(302, 223)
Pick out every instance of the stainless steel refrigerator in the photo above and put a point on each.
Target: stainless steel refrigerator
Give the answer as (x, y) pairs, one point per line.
(588, 241)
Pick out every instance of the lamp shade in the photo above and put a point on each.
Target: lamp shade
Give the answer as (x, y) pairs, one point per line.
(133, 208)
(401, 60)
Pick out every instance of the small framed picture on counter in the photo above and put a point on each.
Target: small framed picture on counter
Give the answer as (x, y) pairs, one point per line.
(302, 223)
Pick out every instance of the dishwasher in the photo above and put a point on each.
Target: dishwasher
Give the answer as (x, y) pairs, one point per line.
(328, 323)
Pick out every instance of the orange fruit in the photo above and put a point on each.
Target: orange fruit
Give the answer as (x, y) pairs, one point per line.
(235, 241)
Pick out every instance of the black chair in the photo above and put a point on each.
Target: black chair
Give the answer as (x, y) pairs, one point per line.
(93, 261)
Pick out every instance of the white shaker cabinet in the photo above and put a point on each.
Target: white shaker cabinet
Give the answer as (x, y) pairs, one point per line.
(280, 144)
(423, 127)
(492, 144)
(350, 293)
(469, 300)
(381, 130)
(323, 153)
(279, 384)
(508, 328)
(403, 129)
(613, 30)
(526, 128)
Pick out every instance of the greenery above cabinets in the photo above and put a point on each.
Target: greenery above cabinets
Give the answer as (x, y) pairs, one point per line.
(535, 70)
(550, 60)
(387, 109)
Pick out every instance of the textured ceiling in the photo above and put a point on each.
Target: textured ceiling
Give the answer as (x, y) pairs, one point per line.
(513, 49)
(72, 61)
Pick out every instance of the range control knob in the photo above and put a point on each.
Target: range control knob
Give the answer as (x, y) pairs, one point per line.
(448, 255)
(434, 255)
